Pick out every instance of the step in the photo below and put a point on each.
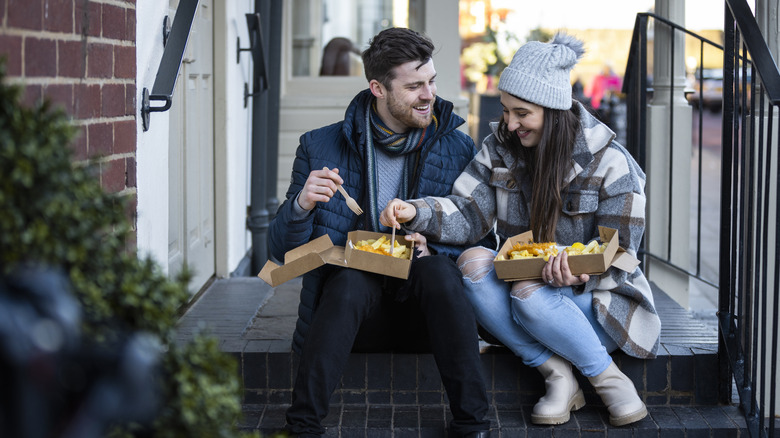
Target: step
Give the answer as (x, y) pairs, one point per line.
(387, 420)
(254, 323)
(682, 378)
(682, 374)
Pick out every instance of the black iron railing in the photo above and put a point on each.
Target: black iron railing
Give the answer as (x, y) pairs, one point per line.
(638, 88)
(749, 219)
(750, 216)
(175, 42)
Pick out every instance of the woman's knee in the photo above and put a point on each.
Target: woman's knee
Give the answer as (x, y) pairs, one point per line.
(475, 263)
(522, 290)
(523, 306)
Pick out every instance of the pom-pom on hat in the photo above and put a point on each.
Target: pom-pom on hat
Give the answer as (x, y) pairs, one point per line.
(539, 72)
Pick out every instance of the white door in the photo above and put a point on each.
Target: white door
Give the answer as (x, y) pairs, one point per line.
(191, 156)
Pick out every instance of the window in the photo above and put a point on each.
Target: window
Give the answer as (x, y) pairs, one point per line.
(328, 35)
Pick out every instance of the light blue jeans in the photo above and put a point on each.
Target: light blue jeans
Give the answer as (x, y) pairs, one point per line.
(547, 321)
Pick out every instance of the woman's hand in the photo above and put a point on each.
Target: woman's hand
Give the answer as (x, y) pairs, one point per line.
(420, 243)
(320, 186)
(556, 272)
(397, 212)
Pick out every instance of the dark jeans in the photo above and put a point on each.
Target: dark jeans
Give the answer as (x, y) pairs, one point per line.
(358, 309)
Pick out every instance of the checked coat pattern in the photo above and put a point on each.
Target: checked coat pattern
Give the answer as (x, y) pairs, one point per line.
(605, 187)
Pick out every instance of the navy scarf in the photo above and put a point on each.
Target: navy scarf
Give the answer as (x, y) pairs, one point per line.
(407, 144)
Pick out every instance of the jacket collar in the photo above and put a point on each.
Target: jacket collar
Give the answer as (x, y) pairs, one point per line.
(593, 137)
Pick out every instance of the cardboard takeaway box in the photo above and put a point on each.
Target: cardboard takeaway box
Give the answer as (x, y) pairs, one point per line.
(321, 250)
(525, 269)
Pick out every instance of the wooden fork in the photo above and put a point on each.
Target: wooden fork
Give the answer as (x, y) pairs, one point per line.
(351, 203)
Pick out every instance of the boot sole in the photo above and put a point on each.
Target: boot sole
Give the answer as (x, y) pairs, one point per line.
(576, 402)
(629, 418)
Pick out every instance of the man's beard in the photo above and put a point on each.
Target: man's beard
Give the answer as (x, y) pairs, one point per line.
(406, 114)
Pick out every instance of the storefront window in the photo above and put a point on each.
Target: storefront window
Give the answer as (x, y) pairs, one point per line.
(328, 35)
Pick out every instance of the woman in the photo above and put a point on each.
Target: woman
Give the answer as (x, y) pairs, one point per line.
(551, 167)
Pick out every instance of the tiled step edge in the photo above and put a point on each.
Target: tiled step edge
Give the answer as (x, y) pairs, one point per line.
(408, 379)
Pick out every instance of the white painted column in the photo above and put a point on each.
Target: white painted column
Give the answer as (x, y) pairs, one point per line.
(668, 96)
(441, 24)
(232, 134)
(768, 18)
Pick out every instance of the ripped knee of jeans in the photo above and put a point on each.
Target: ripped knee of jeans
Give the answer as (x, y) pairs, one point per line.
(475, 263)
(524, 289)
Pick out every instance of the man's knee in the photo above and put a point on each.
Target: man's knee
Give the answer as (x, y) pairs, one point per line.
(436, 266)
(438, 276)
(349, 286)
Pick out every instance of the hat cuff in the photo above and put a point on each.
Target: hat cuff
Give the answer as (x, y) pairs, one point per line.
(534, 90)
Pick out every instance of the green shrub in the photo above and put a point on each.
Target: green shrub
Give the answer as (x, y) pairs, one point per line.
(55, 212)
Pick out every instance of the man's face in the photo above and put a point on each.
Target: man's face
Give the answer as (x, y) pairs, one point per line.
(409, 103)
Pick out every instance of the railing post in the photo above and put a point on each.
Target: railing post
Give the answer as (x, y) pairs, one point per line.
(669, 119)
(259, 218)
(274, 84)
(725, 271)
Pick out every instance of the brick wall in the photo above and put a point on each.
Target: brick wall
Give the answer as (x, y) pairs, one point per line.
(81, 55)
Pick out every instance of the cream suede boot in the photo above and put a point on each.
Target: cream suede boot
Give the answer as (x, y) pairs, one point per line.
(563, 393)
(618, 393)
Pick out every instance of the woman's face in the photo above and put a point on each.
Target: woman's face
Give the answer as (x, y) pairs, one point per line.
(523, 119)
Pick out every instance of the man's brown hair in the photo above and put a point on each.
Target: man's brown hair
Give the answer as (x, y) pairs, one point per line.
(392, 47)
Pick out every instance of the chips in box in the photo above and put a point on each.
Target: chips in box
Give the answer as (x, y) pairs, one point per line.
(594, 264)
(320, 251)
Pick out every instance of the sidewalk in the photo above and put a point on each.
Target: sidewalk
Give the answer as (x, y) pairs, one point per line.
(245, 312)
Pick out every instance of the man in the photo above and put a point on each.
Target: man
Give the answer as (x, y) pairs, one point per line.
(397, 140)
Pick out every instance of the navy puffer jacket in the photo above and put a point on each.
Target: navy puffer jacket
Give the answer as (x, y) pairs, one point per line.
(339, 145)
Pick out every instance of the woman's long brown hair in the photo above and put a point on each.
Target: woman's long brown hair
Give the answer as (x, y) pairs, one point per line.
(548, 164)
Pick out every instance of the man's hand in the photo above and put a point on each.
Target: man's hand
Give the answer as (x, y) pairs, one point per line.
(397, 212)
(420, 242)
(319, 187)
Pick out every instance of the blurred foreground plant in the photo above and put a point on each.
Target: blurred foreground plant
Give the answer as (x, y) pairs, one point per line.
(55, 213)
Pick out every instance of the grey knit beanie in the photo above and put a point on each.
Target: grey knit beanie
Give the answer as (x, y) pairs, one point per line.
(539, 72)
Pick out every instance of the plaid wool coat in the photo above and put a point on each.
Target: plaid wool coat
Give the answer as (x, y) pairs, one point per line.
(605, 187)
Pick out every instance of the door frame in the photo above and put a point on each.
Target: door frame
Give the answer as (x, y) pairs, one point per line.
(220, 68)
